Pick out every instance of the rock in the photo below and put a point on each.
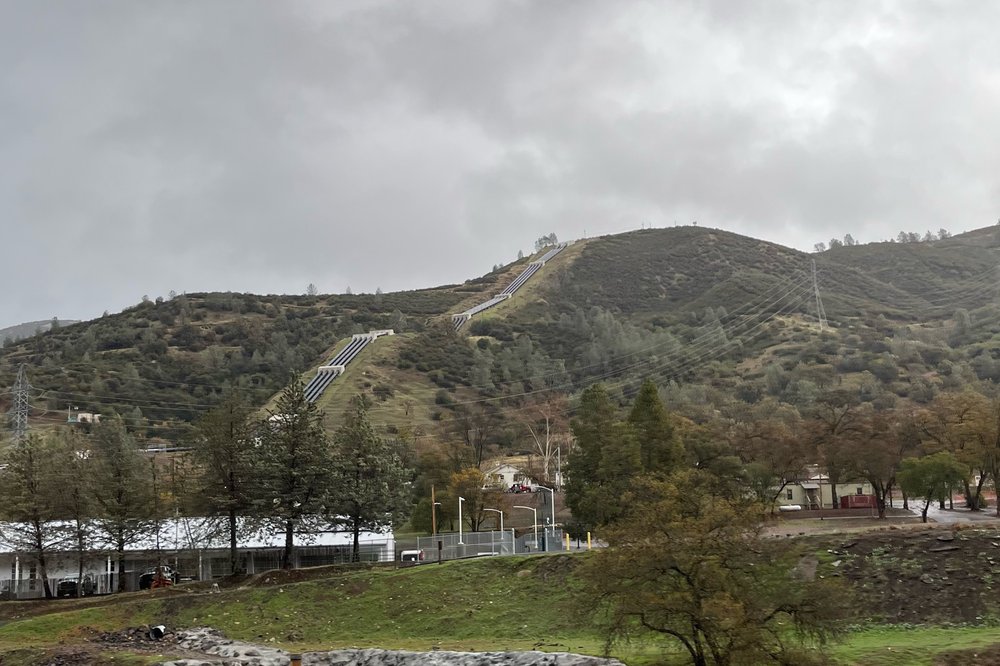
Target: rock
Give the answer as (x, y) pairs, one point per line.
(946, 537)
(926, 578)
(849, 544)
(235, 653)
(806, 568)
(942, 549)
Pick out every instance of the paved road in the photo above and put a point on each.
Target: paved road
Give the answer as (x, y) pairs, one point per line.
(957, 515)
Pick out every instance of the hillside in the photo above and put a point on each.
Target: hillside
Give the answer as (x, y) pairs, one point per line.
(27, 329)
(687, 305)
(914, 605)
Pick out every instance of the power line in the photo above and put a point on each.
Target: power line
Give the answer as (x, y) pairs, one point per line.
(942, 297)
(762, 301)
(134, 402)
(147, 380)
(670, 369)
(820, 312)
(677, 365)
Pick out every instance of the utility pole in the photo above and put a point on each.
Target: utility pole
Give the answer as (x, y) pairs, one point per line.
(19, 412)
(434, 522)
(820, 312)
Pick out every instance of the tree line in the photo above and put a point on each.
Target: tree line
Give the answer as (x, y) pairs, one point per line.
(682, 504)
(902, 237)
(66, 491)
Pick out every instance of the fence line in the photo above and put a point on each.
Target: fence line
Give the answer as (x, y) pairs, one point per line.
(187, 565)
(209, 564)
(448, 546)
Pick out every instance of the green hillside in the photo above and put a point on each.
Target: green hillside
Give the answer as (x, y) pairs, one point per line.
(684, 305)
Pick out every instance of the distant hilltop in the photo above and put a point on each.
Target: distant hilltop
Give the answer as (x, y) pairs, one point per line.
(27, 329)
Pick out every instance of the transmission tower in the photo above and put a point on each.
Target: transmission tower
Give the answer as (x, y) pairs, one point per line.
(19, 412)
(820, 312)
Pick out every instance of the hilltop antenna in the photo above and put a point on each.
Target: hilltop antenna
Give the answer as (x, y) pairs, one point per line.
(820, 311)
(19, 412)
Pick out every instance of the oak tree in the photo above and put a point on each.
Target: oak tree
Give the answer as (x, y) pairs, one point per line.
(687, 562)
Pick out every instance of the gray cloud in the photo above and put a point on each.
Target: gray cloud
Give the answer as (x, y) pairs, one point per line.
(261, 146)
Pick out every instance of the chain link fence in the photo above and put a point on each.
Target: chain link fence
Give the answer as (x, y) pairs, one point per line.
(449, 546)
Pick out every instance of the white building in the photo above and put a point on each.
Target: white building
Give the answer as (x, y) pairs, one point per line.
(814, 491)
(196, 548)
(504, 475)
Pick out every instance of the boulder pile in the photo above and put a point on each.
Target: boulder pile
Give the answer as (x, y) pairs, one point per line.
(236, 653)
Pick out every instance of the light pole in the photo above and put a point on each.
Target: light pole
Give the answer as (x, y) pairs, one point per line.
(501, 528)
(434, 522)
(501, 516)
(534, 513)
(460, 500)
(434, 505)
(552, 497)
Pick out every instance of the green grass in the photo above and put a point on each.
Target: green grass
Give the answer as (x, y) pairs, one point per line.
(511, 603)
(910, 646)
(54, 627)
(501, 603)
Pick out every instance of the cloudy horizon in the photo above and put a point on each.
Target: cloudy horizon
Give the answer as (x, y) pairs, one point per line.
(258, 146)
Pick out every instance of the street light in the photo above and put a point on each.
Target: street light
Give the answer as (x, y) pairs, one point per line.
(534, 512)
(501, 517)
(553, 498)
(460, 500)
(501, 528)
(434, 522)
(434, 505)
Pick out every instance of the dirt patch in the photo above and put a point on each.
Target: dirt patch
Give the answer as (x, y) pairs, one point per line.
(986, 656)
(920, 576)
(556, 568)
(62, 657)
(288, 576)
(99, 648)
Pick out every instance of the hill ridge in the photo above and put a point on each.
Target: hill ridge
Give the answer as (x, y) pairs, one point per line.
(163, 364)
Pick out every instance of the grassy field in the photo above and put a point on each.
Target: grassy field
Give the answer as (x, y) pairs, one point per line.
(910, 646)
(510, 603)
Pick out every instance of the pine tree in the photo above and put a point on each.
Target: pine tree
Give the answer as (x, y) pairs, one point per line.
(225, 450)
(369, 476)
(120, 486)
(660, 449)
(295, 465)
(605, 460)
(71, 471)
(28, 500)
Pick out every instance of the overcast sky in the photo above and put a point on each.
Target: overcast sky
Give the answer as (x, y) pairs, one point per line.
(260, 146)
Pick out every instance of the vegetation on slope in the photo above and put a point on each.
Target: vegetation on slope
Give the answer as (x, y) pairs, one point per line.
(711, 316)
(523, 603)
(163, 363)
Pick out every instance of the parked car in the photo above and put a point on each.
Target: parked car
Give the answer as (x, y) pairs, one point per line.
(67, 587)
(150, 579)
(519, 488)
